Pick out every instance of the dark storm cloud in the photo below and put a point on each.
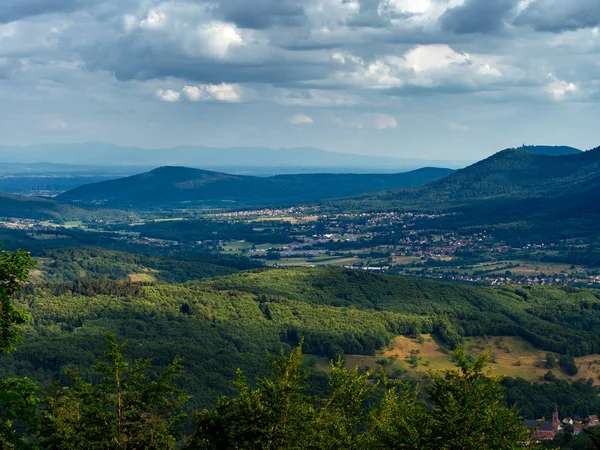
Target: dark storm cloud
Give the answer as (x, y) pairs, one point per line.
(369, 16)
(134, 59)
(477, 16)
(11, 10)
(260, 14)
(561, 15)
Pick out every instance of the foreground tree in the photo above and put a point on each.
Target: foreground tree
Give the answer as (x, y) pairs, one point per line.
(124, 410)
(467, 413)
(14, 271)
(18, 396)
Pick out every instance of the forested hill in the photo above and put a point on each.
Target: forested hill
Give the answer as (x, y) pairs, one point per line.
(39, 208)
(550, 150)
(172, 185)
(75, 264)
(220, 324)
(509, 173)
(522, 195)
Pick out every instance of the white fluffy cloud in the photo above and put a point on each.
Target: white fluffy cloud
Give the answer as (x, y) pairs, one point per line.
(168, 95)
(223, 92)
(423, 66)
(561, 90)
(300, 119)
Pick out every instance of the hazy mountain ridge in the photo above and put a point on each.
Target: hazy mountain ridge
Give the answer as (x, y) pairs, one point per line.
(201, 156)
(171, 185)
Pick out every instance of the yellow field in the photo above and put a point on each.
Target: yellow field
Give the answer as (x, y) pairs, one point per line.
(509, 356)
(141, 277)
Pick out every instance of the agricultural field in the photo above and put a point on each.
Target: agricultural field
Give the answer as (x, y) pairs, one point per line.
(508, 356)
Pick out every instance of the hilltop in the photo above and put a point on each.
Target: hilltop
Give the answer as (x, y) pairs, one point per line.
(550, 150)
(510, 172)
(173, 185)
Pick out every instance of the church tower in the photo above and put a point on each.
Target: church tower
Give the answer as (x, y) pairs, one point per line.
(555, 419)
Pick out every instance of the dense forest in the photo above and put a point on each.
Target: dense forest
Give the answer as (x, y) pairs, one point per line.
(128, 405)
(225, 323)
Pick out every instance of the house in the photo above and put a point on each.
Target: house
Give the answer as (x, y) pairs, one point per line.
(568, 420)
(545, 430)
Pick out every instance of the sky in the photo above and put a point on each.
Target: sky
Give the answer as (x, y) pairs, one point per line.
(436, 79)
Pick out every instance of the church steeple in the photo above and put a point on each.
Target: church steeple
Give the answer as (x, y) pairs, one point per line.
(555, 418)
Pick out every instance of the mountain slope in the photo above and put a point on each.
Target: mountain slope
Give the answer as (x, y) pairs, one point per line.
(550, 150)
(513, 173)
(523, 196)
(38, 208)
(172, 185)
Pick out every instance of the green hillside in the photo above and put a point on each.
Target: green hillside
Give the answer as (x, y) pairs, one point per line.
(522, 194)
(38, 208)
(73, 264)
(550, 150)
(220, 324)
(513, 173)
(172, 185)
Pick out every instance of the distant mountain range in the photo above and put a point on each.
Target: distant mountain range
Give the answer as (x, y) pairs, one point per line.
(182, 185)
(205, 157)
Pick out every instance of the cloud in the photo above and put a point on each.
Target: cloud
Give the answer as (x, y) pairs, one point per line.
(453, 126)
(53, 124)
(314, 98)
(561, 90)
(477, 16)
(427, 66)
(223, 92)
(229, 93)
(368, 122)
(13, 10)
(559, 15)
(168, 95)
(300, 119)
(260, 14)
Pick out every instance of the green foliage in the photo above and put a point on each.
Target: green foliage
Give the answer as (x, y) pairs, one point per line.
(551, 361)
(537, 400)
(469, 409)
(467, 412)
(74, 264)
(14, 270)
(567, 364)
(124, 409)
(18, 413)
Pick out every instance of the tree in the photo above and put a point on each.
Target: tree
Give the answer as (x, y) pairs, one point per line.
(363, 412)
(18, 411)
(275, 415)
(14, 270)
(18, 399)
(567, 364)
(551, 361)
(469, 412)
(124, 410)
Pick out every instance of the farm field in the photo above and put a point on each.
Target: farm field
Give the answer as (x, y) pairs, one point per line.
(509, 356)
